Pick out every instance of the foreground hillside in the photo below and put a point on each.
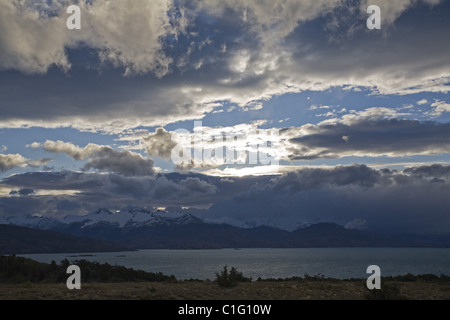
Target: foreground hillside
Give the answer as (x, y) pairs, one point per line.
(208, 290)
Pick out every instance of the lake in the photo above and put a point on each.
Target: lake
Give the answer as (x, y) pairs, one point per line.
(341, 263)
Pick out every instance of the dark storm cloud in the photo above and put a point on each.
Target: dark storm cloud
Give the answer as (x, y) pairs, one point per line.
(85, 192)
(121, 162)
(382, 200)
(307, 179)
(434, 171)
(409, 200)
(25, 192)
(394, 138)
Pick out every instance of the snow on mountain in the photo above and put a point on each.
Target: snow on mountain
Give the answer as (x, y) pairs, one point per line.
(127, 218)
(101, 215)
(37, 222)
(132, 218)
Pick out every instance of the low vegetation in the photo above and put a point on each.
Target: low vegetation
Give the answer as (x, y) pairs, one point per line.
(15, 269)
(229, 279)
(23, 278)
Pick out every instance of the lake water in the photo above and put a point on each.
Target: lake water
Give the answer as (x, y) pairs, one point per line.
(341, 263)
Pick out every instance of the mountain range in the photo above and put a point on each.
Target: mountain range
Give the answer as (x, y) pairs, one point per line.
(21, 240)
(160, 229)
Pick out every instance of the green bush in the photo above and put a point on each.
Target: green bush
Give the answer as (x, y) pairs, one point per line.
(20, 270)
(228, 279)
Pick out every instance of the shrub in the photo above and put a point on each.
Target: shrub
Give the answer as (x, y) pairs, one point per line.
(228, 279)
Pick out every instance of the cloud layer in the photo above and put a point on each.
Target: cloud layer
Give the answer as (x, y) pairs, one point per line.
(186, 59)
(372, 138)
(392, 201)
(379, 200)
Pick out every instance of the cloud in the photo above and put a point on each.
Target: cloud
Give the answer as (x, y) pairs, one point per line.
(29, 41)
(159, 144)
(422, 102)
(280, 18)
(10, 161)
(372, 138)
(392, 10)
(316, 178)
(176, 68)
(440, 107)
(108, 26)
(82, 192)
(34, 35)
(23, 192)
(434, 171)
(373, 132)
(380, 200)
(194, 184)
(104, 158)
(208, 147)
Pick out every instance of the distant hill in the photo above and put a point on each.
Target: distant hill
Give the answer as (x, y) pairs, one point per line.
(204, 236)
(159, 229)
(21, 240)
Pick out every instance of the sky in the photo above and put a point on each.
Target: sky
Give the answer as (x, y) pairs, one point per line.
(248, 112)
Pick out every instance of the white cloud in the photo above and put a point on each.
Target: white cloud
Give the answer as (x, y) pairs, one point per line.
(440, 107)
(374, 113)
(10, 161)
(159, 143)
(208, 147)
(422, 102)
(104, 158)
(129, 35)
(30, 42)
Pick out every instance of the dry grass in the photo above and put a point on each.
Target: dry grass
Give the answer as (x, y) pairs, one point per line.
(184, 290)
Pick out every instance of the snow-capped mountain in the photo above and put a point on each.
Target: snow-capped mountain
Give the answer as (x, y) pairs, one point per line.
(122, 219)
(132, 218)
(37, 222)
(159, 229)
